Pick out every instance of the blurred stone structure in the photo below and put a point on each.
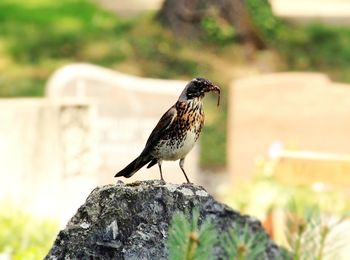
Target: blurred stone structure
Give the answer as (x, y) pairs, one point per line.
(307, 11)
(92, 123)
(128, 108)
(273, 112)
(47, 149)
(130, 8)
(313, 169)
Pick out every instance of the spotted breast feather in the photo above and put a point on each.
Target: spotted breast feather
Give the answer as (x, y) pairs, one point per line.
(180, 138)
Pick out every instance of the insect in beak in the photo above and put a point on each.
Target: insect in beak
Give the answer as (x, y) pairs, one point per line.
(216, 89)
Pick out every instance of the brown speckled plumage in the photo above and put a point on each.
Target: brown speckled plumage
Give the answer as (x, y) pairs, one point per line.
(177, 131)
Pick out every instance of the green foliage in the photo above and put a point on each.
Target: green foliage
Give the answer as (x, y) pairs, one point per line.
(311, 217)
(308, 231)
(56, 30)
(39, 36)
(318, 46)
(188, 241)
(10, 87)
(24, 237)
(155, 52)
(217, 30)
(261, 13)
(213, 138)
(240, 244)
(304, 47)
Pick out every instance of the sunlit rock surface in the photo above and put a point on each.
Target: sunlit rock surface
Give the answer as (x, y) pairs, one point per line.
(130, 221)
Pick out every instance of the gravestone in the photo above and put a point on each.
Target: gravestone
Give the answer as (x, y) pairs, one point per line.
(336, 12)
(302, 111)
(128, 108)
(46, 154)
(313, 169)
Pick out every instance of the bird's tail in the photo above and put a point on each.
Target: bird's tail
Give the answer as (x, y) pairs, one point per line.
(133, 167)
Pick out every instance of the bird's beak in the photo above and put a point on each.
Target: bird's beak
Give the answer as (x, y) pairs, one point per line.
(214, 88)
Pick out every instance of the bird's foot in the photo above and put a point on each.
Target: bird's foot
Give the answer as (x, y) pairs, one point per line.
(162, 181)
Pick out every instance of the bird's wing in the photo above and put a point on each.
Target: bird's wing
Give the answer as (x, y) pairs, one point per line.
(164, 123)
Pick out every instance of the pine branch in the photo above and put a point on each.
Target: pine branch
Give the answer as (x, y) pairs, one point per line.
(241, 243)
(188, 241)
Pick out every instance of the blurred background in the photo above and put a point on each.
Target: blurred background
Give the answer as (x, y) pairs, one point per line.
(83, 83)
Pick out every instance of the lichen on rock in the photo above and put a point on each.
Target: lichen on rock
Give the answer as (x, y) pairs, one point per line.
(131, 221)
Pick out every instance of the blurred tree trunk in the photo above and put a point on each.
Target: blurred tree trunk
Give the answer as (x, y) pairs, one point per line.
(183, 17)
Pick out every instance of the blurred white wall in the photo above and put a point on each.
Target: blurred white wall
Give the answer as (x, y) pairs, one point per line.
(46, 145)
(326, 11)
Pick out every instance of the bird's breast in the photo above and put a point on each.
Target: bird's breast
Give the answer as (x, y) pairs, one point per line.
(182, 136)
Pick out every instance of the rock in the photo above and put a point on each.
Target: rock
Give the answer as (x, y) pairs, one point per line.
(130, 221)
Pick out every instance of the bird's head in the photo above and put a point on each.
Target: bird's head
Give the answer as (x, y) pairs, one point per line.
(197, 88)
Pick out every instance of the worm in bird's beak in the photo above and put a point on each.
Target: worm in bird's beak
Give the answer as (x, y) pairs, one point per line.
(214, 88)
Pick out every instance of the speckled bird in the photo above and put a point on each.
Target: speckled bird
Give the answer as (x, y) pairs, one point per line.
(177, 131)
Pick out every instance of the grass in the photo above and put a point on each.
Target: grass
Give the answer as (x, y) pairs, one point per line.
(23, 236)
(51, 34)
(309, 47)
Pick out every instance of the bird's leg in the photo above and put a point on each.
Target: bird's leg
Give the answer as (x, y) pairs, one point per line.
(182, 161)
(160, 169)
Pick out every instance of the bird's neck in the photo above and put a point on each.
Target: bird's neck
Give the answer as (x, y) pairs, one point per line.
(190, 105)
(190, 114)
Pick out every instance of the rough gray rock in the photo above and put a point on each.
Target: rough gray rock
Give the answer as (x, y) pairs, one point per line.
(130, 221)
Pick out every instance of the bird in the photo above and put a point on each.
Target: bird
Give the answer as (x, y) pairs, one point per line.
(177, 130)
